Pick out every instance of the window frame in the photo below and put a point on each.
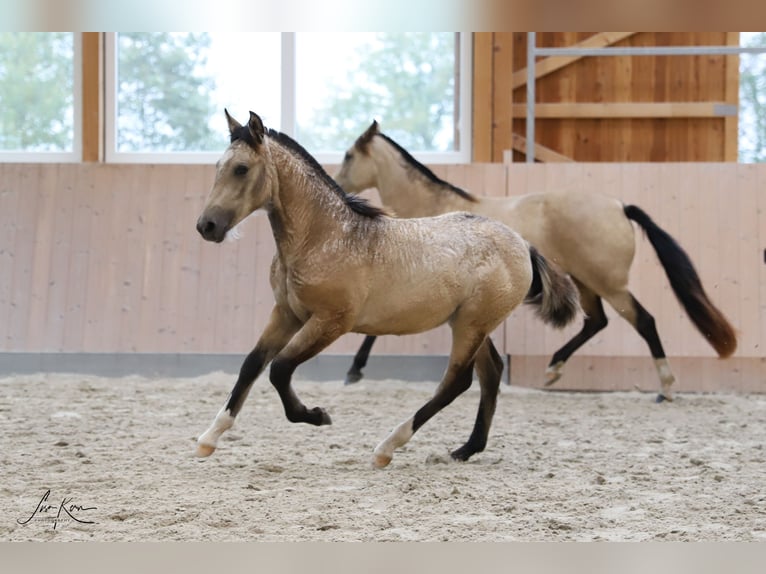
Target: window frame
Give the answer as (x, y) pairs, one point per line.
(463, 123)
(75, 154)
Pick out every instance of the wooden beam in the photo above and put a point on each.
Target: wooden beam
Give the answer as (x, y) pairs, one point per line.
(542, 153)
(91, 96)
(553, 63)
(731, 95)
(482, 96)
(502, 93)
(601, 110)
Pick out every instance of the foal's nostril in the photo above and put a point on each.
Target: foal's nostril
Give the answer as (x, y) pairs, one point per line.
(206, 227)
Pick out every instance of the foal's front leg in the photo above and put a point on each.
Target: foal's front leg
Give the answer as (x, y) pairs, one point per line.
(281, 327)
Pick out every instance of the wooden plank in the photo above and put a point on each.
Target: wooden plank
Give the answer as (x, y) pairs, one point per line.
(157, 223)
(502, 94)
(127, 261)
(551, 64)
(760, 266)
(23, 253)
(42, 241)
(10, 191)
(482, 96)
(91, 96)
(99, 308)
(189, 210)
(600, 110)
(542, 153)
(62, 198)
(79, 259)
(751, 340)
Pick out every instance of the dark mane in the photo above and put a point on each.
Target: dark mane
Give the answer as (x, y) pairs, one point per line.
(431, 176)
(356, 203)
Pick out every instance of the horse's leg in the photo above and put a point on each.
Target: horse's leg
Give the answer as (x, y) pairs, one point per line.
(354, 374)
(595, 320)
(457, 379)
(281, 326)
(313, 336)
(489, 368)
(632, 311)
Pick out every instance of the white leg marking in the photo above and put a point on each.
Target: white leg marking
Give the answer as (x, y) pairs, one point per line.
(553, 373)
(206, 444)
(400, 436)
(666, 378)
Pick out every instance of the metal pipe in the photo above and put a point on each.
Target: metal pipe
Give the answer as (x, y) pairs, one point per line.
(531, 53)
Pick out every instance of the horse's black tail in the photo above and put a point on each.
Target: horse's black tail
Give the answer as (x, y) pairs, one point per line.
(686, 285)
(553, 293)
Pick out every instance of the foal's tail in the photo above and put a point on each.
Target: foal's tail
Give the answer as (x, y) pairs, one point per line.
(553, 293)
(686, 285)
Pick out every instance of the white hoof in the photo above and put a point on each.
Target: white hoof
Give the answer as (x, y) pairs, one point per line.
(204, 450)
(553, 373)
(380, 460)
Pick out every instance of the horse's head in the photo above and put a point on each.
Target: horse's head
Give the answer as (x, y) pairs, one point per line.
(241, 178)
(358, 171)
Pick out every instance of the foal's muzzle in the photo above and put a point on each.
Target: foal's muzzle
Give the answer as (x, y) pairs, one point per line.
(213, 225)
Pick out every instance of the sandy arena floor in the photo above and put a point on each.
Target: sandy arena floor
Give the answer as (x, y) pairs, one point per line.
(558, 467)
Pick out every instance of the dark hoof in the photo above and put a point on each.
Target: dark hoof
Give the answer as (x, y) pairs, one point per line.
(660, 398)
(319, 417)
(353, 376)
(462, 454)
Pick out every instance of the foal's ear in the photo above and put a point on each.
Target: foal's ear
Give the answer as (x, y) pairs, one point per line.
(255, 125)
(367, 136)
(234, 125)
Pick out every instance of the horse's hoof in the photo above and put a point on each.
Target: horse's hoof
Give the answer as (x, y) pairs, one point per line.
(553, 373)
(324, 418)
(662, 398)
(460, 454)
(204, 450)
(353, 377)
(380, 460)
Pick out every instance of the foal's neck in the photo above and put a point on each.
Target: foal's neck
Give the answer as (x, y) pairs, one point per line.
(304, 211)
(407, 191)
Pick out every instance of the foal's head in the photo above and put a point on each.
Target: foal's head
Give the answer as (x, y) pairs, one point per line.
(240, 179)
(358, 171)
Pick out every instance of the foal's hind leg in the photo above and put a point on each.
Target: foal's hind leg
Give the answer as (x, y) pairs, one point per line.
(457, 380)
(595, 320)
(633, 312)
(489, 368)
(354, 374)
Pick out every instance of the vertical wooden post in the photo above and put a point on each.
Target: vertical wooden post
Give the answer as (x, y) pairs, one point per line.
(91, 96)
(482, 96)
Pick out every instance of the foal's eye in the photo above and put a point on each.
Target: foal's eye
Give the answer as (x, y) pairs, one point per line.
(347, 157)
(240, 169)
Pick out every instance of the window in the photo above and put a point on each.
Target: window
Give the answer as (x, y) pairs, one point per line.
(166, 91)
(752, 100)
(40, 93)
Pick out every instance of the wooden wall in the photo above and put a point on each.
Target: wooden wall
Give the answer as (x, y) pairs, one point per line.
(609, 108)
(105, 258)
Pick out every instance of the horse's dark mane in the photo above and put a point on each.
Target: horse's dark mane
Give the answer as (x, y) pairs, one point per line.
(356, 203)
(431, 176)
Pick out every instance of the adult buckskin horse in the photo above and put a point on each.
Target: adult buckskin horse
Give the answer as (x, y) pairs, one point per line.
(589, 235)
(343, 265)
